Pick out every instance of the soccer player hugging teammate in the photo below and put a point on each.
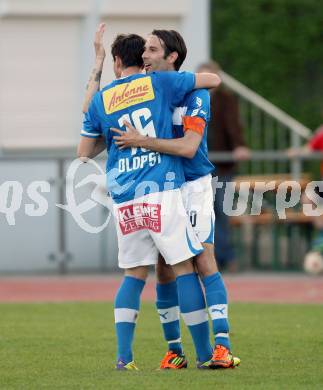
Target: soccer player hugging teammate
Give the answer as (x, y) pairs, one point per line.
(166, 51)
(146, 224)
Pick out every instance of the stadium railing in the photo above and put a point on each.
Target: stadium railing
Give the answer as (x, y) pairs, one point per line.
(267, 128)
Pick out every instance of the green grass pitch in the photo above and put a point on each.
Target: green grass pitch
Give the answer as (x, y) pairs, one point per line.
(72, 346)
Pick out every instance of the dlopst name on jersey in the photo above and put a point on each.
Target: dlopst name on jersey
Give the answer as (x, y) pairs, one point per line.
(129, 164)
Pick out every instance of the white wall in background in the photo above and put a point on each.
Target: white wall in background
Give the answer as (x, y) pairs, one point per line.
(46, 55)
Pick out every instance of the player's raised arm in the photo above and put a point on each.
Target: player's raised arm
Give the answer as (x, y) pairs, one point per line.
(207, 80)
(95, 77)
(92, 140)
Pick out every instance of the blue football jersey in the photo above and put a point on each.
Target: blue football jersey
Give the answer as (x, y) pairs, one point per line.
(195, 103)
(147, 102)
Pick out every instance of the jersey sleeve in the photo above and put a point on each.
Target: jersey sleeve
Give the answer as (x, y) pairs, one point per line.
(177, 85)
(198, 111)
(91, 121)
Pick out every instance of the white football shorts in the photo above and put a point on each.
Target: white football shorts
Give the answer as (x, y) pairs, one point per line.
(152, 224)
(198, 202)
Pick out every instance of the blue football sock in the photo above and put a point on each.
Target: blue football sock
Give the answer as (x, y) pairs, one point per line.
(192, 306)
(168, 310)
(126, 309)
(216, 299)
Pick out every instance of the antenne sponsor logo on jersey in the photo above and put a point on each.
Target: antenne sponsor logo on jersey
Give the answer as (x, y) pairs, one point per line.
(138, 216)
(128, 94)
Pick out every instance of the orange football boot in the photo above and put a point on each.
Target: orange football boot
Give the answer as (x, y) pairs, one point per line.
(223, 358)
(173, 361)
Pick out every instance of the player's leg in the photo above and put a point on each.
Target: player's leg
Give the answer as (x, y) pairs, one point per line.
(199, 197)
(136, 252)
(215, 294)
(193, 309)
(177, 243)
(217, 302)
(169, 315)
(126, 310)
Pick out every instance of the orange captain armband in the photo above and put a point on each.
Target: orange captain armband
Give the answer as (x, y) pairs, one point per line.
(194, 123)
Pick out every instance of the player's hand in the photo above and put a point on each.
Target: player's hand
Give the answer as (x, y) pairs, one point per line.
(128, 139)
(299, 152)
(98, 42)
(241, 153)
(293, 152)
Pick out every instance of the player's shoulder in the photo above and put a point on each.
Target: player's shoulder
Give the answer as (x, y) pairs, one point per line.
(198, 98)
(169, 74)
(96, 100)
(198, 93)
(123, 80)
(111, 85)
(162, 75)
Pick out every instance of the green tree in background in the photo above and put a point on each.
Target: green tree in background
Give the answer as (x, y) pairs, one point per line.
(275, 47)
